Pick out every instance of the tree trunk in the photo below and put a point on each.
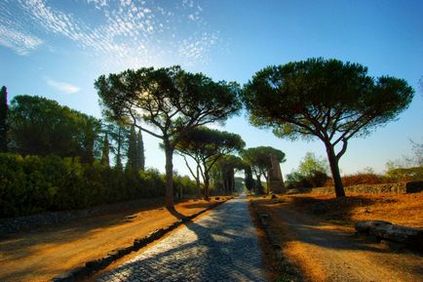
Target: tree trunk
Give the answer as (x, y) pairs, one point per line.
(334, 168)
(197, 181)
(169, 175)
(232, 180)
(206, 184)
(259, 187)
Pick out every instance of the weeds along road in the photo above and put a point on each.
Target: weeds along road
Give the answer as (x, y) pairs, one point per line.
(328, 252)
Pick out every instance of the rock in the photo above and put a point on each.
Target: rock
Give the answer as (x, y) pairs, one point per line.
(401, 234)
(365, 226)
(412, 237)
(414, 187)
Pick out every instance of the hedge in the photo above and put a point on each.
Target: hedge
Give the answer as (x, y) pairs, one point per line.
(34, 184)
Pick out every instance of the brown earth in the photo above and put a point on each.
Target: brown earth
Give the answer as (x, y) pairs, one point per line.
(322, 246)
(47, 252)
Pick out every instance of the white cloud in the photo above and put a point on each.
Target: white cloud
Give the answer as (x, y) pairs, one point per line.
(138, 30)
(19, 42)
(62, 86)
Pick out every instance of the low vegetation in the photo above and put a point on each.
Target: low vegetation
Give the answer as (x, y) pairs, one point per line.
(35, 184)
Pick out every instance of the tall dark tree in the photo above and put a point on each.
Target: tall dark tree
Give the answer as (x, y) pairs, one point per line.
(3, 119)
(105, 152)
(248, 179)
(118, 134)
(132, 162)
(140, 152)
(166, 102)
(259, 160)
(327, 99)
(206, 146)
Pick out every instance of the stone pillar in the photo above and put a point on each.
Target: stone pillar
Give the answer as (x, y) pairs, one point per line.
(276, 184)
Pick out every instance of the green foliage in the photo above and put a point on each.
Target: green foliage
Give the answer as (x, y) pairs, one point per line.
(396, 174)
(327, 99)
(3, 119)
(249, 180)
(224, 173)
(312, 172)
(311, 164)
(132, 162)
(206, 146)
(169, 100)
(300, 181)
(140, 152)
(258, 158)
(35, 184)
(119, 137)
(39, 126)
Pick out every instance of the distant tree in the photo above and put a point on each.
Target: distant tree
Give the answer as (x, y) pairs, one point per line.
(118, 133)
(206, 146)
(140, 152)
(227, 165)
(258, 158)
(3, 119)
(39, 126)
(327, 99)
(312, 172)
(132, 162)
(248, 179)
(105, 152)
(170, 101)
(312, 164)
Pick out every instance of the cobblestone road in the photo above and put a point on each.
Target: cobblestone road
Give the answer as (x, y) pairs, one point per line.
(221, 246)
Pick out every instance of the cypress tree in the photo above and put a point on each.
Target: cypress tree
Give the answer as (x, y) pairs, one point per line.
(140, 153)
(105, 153)
(132, 150)
(3, 119)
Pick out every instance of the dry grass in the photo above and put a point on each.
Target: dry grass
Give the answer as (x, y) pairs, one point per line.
(41, 255)
(403, 209)
(314, 231)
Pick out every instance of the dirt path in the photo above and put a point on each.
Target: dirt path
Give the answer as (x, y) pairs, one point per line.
(327, 252)
(41, 255)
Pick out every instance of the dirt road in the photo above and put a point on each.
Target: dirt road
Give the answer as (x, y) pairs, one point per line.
(41, 255)
(328, 252)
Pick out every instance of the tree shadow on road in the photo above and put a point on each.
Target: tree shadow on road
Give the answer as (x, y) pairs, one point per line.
(220, 247)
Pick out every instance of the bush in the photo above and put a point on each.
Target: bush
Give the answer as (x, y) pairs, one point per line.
(296, 180)
(35, 184)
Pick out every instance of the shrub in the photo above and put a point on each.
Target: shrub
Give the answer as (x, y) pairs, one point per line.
(35, 184)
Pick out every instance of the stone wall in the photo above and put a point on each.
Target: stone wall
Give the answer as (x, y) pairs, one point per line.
(398, 188)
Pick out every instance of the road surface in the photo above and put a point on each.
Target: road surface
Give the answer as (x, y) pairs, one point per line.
(220, 246)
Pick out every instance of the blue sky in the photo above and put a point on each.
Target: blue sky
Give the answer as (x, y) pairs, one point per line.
(57, 49)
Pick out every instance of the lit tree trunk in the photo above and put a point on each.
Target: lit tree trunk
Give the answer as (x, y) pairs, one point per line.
(334, 167)
(197, 181)
(169, 175)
